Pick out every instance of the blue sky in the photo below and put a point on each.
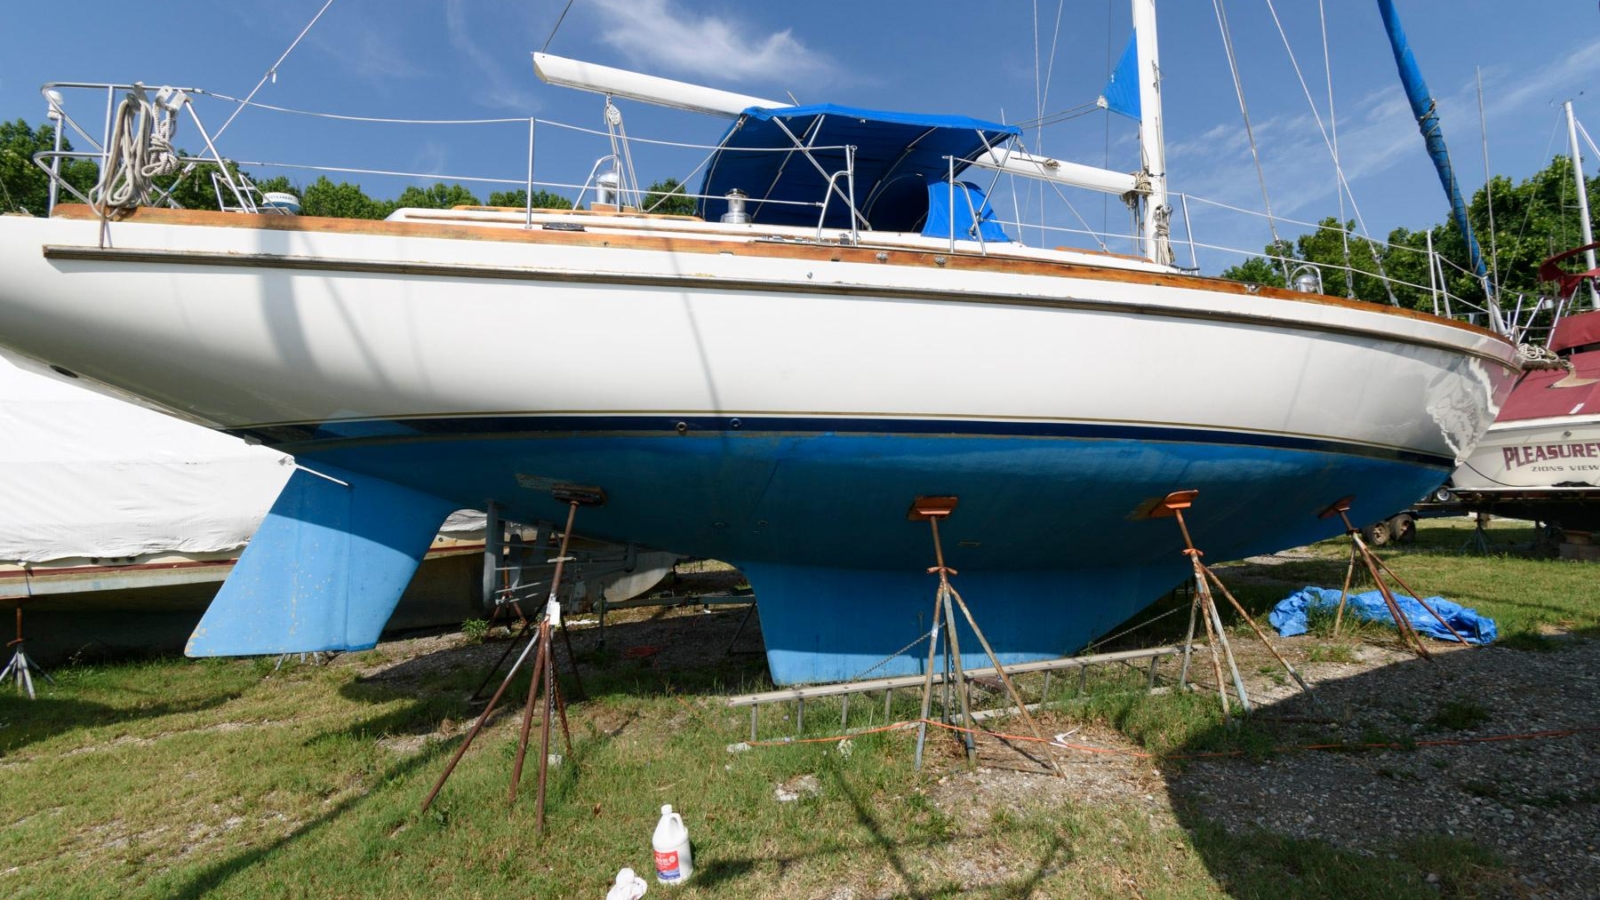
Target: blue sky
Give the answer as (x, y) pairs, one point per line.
(469, 59)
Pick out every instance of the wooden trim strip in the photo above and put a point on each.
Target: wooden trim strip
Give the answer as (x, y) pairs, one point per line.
(784, 249)
(458, 270)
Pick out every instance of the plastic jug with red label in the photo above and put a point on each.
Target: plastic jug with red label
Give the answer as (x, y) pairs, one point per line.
(674, 860)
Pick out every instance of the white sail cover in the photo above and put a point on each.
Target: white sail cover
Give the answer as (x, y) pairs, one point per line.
(87, 475)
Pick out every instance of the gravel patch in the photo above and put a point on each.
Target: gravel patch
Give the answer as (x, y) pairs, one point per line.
(1536, 803)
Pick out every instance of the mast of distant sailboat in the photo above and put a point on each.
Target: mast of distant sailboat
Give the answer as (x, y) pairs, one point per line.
(1583, 200)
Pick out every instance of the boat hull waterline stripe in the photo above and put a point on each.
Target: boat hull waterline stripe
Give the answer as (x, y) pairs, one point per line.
(292, 436)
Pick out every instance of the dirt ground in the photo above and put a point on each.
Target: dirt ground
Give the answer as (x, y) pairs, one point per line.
(1533, 798)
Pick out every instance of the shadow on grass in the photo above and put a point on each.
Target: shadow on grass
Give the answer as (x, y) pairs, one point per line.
(30, 721)
(897, 852)
(215, 876)
(1350, 824)
(662, 654)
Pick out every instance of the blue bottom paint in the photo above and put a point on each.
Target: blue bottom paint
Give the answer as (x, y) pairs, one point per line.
(839, 625)
(1046, 537)
(325, 569)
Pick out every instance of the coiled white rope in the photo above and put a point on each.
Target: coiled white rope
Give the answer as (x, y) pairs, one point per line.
(140, 150)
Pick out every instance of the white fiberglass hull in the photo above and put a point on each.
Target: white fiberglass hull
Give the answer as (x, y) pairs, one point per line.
(241, 328)
(779, 404)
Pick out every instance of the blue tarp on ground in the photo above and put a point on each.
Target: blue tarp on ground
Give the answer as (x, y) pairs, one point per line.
(1289, 616)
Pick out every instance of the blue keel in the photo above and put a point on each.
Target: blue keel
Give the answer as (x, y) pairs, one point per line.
(823, 625)
(325, 569)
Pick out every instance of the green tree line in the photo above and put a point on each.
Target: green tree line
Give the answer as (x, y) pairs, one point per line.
(25, 188)
(1533, 220)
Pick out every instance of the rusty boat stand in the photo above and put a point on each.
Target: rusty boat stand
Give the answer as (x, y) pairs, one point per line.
(544, 683)
(1204, 606)
(946, 601)
(21, 667)
(1376, 569)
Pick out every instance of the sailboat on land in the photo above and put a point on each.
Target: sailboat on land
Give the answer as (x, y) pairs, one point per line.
(1541, 458)
(845, 327)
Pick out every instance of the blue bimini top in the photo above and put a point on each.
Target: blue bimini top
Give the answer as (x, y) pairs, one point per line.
(897, 156)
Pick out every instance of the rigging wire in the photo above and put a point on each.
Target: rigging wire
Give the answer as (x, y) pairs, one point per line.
(1038, 108)
(1244, 109)
(1071, 112)
(1584, 133)
(1527, 214)
(1043, 184)
(1050, 70)
(559, 19)
(1343, 183)
(1105, 156)
(1333, 126)
(272, 71)
(1488, 187)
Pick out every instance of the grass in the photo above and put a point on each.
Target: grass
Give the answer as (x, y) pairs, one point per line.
(1531, 599)
(181, 779)
(1460, 715)
(1331, 653)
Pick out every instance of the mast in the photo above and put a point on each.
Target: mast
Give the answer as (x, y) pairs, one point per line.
(1423, 107)
(1157, 212)
(1583, 199)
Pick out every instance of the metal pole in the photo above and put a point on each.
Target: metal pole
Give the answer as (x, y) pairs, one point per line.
(493, 551)
(850, 179)
(528, 216)
(1433, 278)
(1344, 592)
(1414, 595)
(1211, 642)
(477, 726)
(1005, 679)
(1188, 231)
(951, 183)
(953, 659)
(544, 728)
(55, 115)
(1583, 200)
(927, 679)
(1188, 642)
(1227, 650)
(1239, 608)
(1401, 623)
(527, 715)
(960, 675)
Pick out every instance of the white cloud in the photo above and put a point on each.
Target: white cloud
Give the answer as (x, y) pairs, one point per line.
(499, 89)
(430, 157)
(375, 59)
(367, 45)
(656, 34)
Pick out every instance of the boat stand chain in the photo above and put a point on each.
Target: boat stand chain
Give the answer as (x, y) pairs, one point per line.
(946, 601)
(1204, 605)
(1377, 568)
(21, 667)
(544, 682)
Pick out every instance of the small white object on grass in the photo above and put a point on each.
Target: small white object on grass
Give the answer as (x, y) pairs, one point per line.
(629, 886)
